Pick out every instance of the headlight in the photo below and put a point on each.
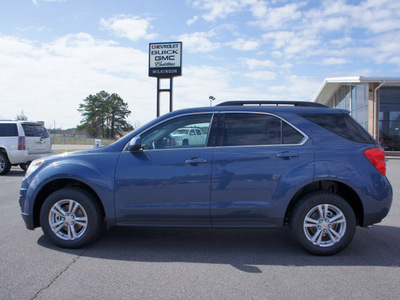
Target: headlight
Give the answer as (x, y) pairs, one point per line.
(33, 167)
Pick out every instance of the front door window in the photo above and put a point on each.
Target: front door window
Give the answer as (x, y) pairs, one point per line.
(178, 133)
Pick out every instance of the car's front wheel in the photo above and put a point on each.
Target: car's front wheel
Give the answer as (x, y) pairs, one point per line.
(323, 223)
(71, 218)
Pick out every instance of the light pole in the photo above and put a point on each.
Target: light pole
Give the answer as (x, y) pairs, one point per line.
(211, 98)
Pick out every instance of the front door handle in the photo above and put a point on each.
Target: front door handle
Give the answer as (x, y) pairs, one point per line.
(287, 155)
(195, 161)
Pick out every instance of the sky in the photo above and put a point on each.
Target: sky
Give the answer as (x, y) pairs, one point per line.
(55, 53)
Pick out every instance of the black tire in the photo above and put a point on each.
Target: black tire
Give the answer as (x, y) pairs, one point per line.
(327, 234)
(185, 143)
(24, 166)
(76, 222)
(5, 164)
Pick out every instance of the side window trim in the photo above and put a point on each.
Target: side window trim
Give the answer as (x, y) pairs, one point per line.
(221, 123)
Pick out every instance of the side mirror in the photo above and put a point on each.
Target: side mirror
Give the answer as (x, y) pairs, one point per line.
(135, 144)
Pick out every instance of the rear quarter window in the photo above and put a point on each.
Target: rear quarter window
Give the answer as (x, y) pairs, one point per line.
(35, 131)
(343, 125)
(8, 130)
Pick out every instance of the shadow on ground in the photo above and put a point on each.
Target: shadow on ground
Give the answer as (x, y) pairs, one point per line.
(245, 249)
(15, 172)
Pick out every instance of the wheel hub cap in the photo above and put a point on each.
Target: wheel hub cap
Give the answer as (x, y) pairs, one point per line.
(324, 225)
(68, 219)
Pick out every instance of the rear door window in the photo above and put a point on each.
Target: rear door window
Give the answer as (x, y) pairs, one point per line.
(8, 130)
(242, 129)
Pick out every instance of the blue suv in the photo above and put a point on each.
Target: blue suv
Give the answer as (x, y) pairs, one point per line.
(261, 164)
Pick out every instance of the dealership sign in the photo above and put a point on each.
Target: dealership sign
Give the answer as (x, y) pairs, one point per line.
(165, 59)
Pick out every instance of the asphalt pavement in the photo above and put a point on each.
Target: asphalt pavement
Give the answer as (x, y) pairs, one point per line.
(128, 263)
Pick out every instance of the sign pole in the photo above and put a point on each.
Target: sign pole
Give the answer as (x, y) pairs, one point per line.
(158, 97)
(170, 93)
(165, 61)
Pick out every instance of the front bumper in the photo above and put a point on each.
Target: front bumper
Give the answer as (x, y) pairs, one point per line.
(28, 219)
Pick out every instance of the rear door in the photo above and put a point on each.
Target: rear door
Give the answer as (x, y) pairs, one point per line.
(259, 159)
(37, 138)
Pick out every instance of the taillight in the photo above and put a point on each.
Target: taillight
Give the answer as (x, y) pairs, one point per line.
(376, 157)
(21, 143)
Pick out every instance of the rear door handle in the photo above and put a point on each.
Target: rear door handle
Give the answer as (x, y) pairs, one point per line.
(287, 155)
(195, 161)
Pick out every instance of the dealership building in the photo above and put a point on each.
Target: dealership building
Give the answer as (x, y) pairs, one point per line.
(373, 101)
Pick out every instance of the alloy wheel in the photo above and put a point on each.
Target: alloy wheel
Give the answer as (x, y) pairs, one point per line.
(68, 219)
(324, 225)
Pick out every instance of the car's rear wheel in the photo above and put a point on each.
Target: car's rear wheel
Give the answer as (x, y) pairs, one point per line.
(323, 223)
(24, 166)
(71, 218)
(5, 164)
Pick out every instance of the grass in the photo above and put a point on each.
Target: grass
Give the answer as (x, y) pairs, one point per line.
(74, 140)
(65, 151)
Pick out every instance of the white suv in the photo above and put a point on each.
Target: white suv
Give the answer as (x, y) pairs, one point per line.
(189, 137)
(22, 142)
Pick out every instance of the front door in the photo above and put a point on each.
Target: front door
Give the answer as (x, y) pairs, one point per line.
(166, 183)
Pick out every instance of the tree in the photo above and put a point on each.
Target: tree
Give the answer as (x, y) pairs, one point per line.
(104, 115)
(21, 117)
(116, 112)
(90, 111)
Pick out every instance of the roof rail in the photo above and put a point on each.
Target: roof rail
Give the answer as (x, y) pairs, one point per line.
(271, 102)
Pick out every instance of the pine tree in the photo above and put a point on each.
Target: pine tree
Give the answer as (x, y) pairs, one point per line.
(104, 115)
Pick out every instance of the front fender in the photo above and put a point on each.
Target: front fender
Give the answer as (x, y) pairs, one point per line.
(95, 170)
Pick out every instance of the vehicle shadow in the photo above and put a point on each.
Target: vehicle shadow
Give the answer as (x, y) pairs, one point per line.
(244, 249)
(14, 172)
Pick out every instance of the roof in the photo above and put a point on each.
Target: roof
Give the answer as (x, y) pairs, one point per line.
(270, 102)
(23, 122)
(331, 85)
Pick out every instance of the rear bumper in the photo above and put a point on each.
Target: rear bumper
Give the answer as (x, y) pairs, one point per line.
(370, 219)
(24, 156)
(380, 201)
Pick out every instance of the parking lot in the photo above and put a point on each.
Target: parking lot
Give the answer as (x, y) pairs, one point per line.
(128, 263)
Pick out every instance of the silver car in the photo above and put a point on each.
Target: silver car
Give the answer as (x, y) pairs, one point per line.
(22, 142)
